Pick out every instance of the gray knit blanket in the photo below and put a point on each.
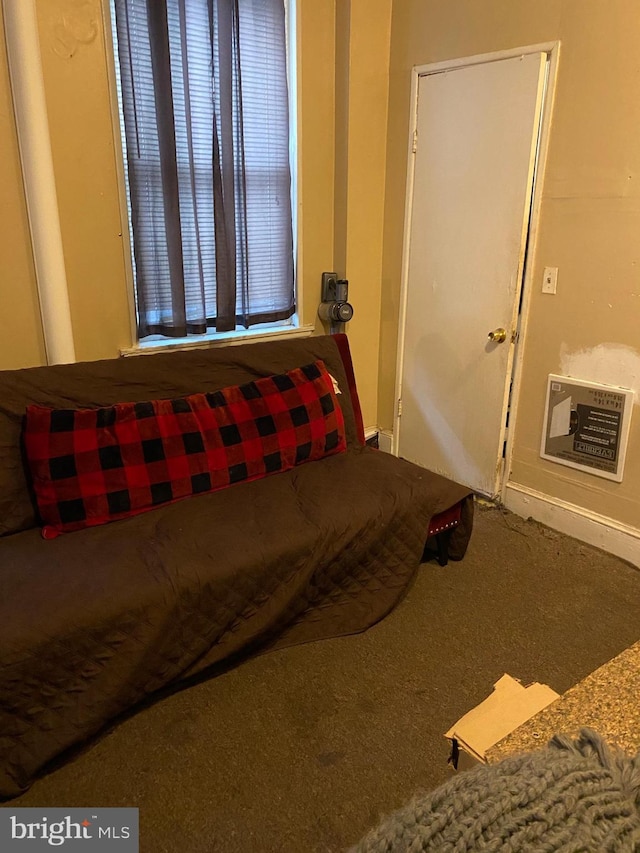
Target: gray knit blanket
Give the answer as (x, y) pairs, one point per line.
(571, 796)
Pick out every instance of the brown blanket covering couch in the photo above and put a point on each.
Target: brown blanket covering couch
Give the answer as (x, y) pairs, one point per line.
(95, 621)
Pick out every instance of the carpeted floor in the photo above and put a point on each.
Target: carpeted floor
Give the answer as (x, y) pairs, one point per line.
(304, 749)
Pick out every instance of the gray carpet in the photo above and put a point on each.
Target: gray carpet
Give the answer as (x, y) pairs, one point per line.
(304, 749)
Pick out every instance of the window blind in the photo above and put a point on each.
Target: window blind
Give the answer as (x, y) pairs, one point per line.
(205, 113)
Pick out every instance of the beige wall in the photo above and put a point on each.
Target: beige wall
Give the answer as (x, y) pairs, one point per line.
(78, 106)
(362, 86)
(74, 64)
(344, 199)
(21, 343)
(316, 132)
(343, 70)
(590, 217)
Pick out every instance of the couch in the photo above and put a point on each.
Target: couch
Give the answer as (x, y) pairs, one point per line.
(96, 621)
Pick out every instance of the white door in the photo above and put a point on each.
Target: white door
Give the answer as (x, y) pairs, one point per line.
(477, 131)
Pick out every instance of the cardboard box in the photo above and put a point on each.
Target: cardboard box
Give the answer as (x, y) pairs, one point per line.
(509, 706)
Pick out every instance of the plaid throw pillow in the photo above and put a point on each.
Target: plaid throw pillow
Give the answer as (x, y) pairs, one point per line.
(91, 466)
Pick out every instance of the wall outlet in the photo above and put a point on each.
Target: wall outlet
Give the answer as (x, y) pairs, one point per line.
(329, 286)
(550, 280)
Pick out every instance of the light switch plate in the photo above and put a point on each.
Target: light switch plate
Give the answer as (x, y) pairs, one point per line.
(550, 280)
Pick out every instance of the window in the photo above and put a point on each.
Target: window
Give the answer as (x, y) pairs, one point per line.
(205, 131)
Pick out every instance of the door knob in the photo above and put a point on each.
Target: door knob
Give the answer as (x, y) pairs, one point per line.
(498, 336)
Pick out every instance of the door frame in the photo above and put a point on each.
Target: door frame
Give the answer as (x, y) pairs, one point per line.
(525, 286)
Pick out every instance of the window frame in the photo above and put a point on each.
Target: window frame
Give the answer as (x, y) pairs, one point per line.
(294, 326)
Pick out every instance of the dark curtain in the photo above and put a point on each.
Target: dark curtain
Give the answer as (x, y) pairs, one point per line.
(204, 98)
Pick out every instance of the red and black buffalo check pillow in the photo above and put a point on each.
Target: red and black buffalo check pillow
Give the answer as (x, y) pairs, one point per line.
(91, 466)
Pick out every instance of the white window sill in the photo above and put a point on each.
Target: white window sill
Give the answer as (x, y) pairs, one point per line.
(222, 339)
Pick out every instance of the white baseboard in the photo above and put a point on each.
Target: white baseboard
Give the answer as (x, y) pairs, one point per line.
(385, 439)
(591, 527)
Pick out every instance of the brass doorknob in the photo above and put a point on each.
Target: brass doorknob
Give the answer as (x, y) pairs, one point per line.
(498, 336)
